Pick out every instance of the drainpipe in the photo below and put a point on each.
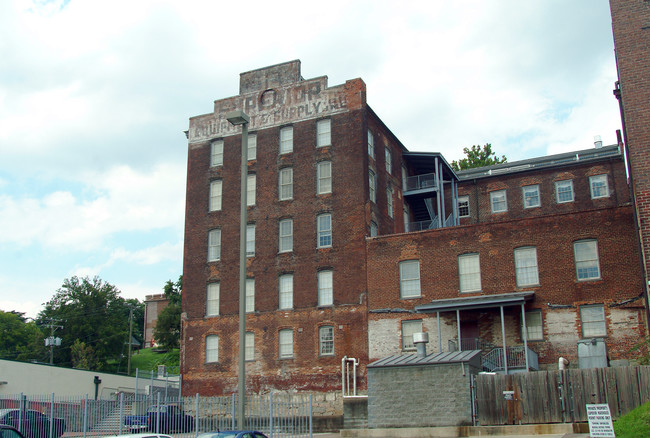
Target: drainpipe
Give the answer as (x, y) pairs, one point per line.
(562, 364)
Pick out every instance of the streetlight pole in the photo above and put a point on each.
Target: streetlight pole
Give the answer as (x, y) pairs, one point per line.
(240, 118)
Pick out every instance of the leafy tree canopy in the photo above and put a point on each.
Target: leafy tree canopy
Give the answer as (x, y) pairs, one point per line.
(168, 326)
(91, 312)
(478, 156)
(20, 339)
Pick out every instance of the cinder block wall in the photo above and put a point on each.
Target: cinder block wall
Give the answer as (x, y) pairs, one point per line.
(420, 396)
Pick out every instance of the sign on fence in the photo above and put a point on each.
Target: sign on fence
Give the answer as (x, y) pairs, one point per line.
(600, 421)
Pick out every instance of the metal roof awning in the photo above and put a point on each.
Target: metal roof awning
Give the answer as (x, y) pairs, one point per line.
(476, 302)
(400, 360)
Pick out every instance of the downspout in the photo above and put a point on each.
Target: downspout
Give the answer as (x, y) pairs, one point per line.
(503, 334)
(523, 322)
(637, 229)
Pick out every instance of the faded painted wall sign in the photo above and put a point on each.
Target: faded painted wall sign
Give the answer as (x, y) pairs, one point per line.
(271, 107)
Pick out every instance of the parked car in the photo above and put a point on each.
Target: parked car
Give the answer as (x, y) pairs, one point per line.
(9, 432)
(169, 418)
(143, 435)
(233, 434)
(32, 424)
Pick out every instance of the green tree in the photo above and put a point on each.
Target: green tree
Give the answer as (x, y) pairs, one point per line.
(478, 156)
(168, 326)
(83, 356)
(92, 312)
(20, 339)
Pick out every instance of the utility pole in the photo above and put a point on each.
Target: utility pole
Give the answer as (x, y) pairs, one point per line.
(128, 366)
(52, 341)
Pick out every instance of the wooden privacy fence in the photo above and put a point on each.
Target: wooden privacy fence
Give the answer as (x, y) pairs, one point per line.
(558, 396)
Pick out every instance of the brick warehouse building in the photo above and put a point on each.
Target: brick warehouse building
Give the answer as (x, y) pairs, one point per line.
(355, 243)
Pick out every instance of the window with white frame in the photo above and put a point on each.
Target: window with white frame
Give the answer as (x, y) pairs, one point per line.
(373, 229)
(212, 348)
(285, 182)
(324, 227)
(214, 245)
(408, 328)
(215, 195)
(599, 186)
(325, 288)
(586, 258)
(469, 272)
(463, 206)
(250, 240)
(526, 271)
(564, 191)
(592, 320)
(323, 133)
(286, 291)
(212, 302)
(498, 201)
(371, 144)
(285, 342)
(534, 328)
(324, 177)
(250, 295)
(216, 153)
(389, 160)
(531, 196)
(286, 140)
(250, 189)
(285, 237)
(372, 185)
(389, 200)
(249, 351)
(326, 340)
(252, 147)
(409, 279)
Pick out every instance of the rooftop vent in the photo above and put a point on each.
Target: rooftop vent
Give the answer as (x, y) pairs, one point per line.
(598, 142)
(421, 340)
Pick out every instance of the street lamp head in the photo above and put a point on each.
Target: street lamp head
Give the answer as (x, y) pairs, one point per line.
(237, 117)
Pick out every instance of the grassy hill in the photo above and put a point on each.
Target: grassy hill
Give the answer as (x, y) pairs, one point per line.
(148, 359)
(634, 424)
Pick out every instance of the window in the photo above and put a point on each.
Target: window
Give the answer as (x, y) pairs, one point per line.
(286, 183)
(325, 288)
(250, 189)
(531, 196)
(599, 187)
(592, 319)
(250, 295)
(469, 272)
(373, 229)
(249, 351)
(212, 305)
(286, 291)
(498, 201)
(250, 240)
(371, 144)
(564, 191)
(389, 161)
(372, 185)
(586, 256)
(212, 348)
(252, 147)
(285, 235)
(324, 176)
(324, 225)
(286, 140)
(389, 200)
(463, 206)
(409, 279)
(215, 195)
(214, 245)
(216, 153)
(534, 328)
(326, 340)
(323, 133)
(526, 266)
(408, 328)
(286, 343)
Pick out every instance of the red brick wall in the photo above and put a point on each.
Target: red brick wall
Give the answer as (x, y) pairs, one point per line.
(553, 236)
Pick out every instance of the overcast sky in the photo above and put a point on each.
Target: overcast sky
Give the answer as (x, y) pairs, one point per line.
(95, 96)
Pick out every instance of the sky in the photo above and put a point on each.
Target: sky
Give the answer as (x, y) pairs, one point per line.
(95, 96)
